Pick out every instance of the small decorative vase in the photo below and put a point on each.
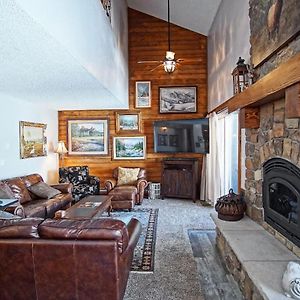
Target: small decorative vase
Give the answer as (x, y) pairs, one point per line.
(230, 207)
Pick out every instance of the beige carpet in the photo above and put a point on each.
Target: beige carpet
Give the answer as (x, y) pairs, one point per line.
(175, 271)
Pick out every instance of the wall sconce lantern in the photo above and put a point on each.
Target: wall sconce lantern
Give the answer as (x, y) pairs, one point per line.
(241, 76)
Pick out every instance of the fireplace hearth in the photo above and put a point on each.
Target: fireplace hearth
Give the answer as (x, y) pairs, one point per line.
(281, 197)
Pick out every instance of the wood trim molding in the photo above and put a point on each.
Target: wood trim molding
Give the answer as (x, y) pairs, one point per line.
(270, 87)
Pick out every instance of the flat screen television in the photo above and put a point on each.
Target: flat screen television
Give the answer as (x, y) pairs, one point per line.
(181, 136)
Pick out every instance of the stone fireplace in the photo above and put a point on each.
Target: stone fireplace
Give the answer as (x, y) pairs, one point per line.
(272, 189)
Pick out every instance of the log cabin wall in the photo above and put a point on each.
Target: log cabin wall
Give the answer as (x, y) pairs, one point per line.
(148, 41)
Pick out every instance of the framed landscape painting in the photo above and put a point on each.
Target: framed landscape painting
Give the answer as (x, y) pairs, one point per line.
(142, 94)
(133, 147)
(33, 141)
(272, 24)
(88, 137)
(128, 121)
(178, 99)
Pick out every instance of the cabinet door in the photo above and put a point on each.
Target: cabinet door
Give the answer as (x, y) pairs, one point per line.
(170, 182)
(185, 182)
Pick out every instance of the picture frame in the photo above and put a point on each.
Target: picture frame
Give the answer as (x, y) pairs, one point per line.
(88, 137)
(128, 121)
(178, 99)
(143, 94)
(33, 141)
(269, 37)
(129, 147)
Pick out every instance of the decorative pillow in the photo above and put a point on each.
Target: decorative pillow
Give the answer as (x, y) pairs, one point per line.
(43, 190)
(5, 191)
(127, 175)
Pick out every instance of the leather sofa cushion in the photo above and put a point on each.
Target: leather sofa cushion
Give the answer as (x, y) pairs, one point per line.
(20, 228)
(35, 209)
(5, 191)
(30, 180)
(95, 229)
(19, 189)
(43, 190)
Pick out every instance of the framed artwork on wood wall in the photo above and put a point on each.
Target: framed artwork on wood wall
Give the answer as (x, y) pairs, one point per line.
(128, 121)
(143, 94)
(33, 141)
(178, 99)
(130, 147)
(88, 137)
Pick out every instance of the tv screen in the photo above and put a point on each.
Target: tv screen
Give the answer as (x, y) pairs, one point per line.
(181, 136)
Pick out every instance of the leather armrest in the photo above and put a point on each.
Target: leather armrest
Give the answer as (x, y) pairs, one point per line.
(141, 184)
(65, 188)
(134, 229)
(17, 210)
(110, 184)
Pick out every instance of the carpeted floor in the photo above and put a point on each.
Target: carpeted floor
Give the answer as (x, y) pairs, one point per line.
(175, 275)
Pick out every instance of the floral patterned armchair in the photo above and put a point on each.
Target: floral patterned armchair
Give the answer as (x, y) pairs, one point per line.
(83, 183)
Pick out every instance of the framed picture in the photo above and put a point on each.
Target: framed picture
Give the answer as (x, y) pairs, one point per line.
(272, 24)
(129, 147)
(88, 137)
(33, 141)
(128, 121)
(142, 94)
(178, 99)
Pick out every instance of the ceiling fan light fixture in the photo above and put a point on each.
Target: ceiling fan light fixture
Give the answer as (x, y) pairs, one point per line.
(170, 55)
(169, 65)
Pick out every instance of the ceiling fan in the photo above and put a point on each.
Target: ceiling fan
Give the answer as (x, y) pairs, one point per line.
(169, 63)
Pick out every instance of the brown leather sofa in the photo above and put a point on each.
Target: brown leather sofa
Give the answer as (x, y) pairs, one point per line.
(66, 259)
(126, 196)
(30, 205)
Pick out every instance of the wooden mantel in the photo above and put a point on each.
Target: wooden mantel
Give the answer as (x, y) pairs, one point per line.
(270, 87)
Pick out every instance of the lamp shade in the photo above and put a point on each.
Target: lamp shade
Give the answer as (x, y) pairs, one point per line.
(61, 148)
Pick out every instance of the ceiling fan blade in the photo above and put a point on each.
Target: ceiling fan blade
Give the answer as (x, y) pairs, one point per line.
(189, 60)
(149, 61)
(156, 67)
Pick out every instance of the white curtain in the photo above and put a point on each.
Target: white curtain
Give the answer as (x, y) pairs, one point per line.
(211, 176)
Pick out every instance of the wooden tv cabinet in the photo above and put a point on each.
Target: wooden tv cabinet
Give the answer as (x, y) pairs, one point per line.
(180, 178)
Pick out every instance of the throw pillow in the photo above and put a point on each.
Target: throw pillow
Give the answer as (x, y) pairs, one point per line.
(127, 175)
(5, 191)
(43, 190)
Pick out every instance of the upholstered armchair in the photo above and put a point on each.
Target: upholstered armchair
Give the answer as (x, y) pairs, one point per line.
(127, 186)
(83, 183)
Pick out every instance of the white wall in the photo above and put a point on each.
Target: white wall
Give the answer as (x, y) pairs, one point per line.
(65, 52)
(12, 111)
(227, 40)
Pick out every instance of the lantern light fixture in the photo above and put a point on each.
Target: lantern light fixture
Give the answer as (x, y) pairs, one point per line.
(241, 76)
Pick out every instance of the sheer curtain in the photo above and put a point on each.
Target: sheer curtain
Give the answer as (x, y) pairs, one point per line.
(211, 179)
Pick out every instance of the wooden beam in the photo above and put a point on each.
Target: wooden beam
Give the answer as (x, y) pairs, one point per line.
(249, 117)
(270, 87)
(292, 101)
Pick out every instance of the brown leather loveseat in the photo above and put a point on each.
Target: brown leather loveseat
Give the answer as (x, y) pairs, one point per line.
(66, 259)
(30, 204)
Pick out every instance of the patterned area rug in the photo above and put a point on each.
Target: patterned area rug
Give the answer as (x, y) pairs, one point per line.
(143, 258)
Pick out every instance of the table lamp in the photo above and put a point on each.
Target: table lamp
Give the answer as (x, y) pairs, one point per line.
(61, 150)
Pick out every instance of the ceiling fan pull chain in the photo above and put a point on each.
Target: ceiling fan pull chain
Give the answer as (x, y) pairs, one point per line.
(169, 26)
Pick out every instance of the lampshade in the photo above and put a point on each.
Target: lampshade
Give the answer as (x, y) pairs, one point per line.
(61, 148)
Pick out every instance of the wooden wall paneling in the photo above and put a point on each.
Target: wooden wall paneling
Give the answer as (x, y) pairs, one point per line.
(148, 41)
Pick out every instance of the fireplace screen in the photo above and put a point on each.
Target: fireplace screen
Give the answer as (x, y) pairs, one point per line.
(281, 197)
(283, 201)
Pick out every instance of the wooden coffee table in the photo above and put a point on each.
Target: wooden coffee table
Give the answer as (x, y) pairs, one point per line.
(87, 208)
